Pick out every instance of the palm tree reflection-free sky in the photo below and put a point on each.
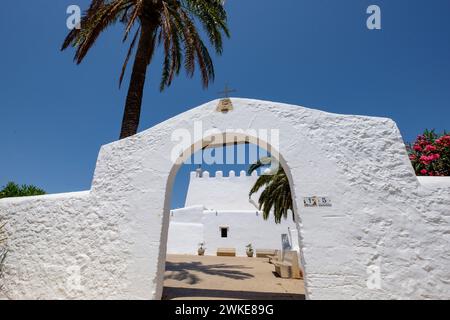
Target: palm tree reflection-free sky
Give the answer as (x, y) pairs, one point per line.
(54, 115)
(168, 24)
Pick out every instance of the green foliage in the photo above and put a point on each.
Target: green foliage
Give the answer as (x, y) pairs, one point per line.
(12, 190)
(172, 24)
(277, 196)
(430, 154)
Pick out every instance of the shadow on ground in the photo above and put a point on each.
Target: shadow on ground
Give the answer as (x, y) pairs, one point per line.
(184, 271)
(180, 293)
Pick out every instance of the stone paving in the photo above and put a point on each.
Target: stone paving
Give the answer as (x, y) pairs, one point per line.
(234, 278)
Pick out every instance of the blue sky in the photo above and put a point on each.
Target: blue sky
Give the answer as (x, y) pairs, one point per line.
(54, 115)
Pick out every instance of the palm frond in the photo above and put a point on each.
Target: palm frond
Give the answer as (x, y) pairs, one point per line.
(175, 22)
(276, 197)
(130, 51)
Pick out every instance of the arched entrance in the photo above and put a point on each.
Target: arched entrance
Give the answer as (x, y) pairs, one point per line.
(222, 140)
(141, 170)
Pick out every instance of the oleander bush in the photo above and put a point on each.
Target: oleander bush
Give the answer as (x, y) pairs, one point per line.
(430, 154)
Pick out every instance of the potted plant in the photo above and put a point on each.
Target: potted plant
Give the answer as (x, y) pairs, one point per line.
(249, 250)
(201, 249)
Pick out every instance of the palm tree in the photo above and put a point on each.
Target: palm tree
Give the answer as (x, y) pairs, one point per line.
(276, 196)
(170, 23)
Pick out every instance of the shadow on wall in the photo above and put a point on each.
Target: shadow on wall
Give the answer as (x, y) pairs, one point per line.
(183, 271)
(175, 293)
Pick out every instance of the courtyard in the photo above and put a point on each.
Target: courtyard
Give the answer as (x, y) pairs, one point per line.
(229, 278)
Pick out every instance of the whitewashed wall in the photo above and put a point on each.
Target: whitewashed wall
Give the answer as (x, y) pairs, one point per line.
(220, 192)
(245, 227)
(117, 232)
(186, 230)
(54, 240)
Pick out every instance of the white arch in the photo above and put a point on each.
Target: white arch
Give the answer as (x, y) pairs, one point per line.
(226, 138)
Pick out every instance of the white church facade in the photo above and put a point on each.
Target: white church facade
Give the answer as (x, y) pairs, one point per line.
(219, 213)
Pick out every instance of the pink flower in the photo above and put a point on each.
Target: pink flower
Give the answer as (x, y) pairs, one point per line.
(417, 148)
(429, 151)
(425, 160)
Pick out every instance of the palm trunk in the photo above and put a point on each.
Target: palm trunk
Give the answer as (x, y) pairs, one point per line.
(132, 112)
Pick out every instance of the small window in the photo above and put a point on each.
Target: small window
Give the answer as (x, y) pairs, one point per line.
(224, 232)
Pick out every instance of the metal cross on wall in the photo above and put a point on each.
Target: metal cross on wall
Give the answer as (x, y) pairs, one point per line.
(226, 92)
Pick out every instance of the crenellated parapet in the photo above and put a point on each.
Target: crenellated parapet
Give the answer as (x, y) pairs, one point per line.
(229, 191)
(220, 175)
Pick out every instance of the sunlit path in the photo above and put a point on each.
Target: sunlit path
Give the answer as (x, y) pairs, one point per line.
(209, 277)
